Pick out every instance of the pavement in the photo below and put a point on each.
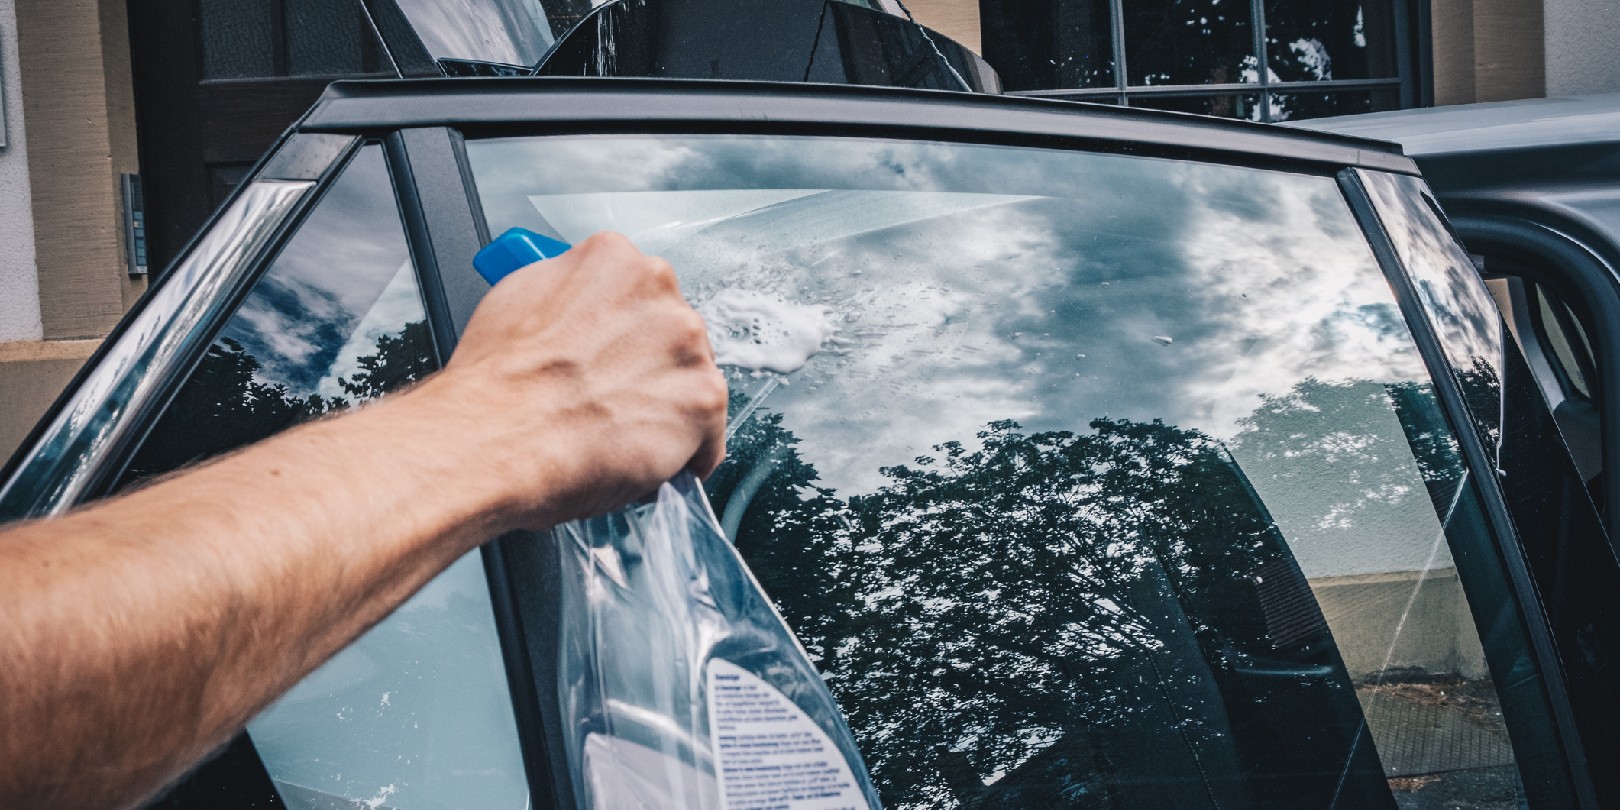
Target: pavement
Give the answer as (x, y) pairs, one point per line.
(1442, 741)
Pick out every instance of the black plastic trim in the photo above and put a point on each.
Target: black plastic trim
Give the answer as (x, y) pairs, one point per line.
(1477, 459)
(443, 233)
(557, 104)
(533, 564)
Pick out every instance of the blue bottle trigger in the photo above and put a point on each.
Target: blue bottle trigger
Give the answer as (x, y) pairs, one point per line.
(514, 250)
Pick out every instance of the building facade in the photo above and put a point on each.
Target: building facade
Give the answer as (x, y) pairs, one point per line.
(186, 93)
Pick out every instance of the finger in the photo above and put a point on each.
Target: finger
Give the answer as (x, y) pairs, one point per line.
(712, 446)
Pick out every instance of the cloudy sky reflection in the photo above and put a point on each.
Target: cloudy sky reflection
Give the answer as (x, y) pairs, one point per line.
(342, 282)
(1469, 324)
(977, 283)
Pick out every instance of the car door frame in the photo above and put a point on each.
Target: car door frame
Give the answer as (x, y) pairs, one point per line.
(1572, 258)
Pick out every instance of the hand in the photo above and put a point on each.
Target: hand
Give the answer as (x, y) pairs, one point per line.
(582, 383)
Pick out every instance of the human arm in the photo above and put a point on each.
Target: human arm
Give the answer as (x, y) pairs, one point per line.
(140, 633)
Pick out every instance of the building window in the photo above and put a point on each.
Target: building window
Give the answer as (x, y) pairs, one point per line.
(1263, 60)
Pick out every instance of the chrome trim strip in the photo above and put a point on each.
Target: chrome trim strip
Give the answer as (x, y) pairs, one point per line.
(103, 411)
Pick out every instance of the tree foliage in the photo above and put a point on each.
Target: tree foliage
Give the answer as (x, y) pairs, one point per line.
(1003, 621)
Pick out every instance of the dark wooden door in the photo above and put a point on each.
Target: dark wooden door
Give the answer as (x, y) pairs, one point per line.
(216, 81)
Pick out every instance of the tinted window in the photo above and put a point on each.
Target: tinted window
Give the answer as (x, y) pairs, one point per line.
(416, 713)
(1562, 540)
(1122, 483)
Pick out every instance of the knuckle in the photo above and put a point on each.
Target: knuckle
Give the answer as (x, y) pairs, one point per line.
(716, 395)
(692, 328)
(660, 273)
(606, 240)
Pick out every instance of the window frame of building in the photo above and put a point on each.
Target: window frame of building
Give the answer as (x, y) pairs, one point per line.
(1411, 83)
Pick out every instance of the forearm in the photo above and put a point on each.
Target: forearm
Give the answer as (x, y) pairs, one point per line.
(143, 632)
(140, 633)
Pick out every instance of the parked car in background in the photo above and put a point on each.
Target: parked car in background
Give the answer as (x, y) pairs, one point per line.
(1533, 190)
(1158, 461)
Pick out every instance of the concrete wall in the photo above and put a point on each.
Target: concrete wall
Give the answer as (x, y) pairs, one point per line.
(1489, 50)
(79, 103)
(32, 373)
(1436, 630)
(19, 283)
(1583, 46)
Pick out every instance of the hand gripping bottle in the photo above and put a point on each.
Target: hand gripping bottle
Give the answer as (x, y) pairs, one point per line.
(681, 687)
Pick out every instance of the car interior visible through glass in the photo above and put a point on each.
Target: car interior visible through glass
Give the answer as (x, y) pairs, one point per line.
(1123, 484)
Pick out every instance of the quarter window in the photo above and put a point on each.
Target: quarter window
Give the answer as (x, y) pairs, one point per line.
(415, 714)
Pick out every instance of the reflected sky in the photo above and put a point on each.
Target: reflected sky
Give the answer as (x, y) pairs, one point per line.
(979, 283)
(1465, 318)
(340, 283)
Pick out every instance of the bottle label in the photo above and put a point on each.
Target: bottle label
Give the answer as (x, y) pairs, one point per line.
(770, 754)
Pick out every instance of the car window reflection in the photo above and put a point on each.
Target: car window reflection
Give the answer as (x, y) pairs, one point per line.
(1121, 483)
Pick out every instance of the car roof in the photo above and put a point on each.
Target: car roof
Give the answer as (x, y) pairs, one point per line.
(1487, 127)
(495, 105)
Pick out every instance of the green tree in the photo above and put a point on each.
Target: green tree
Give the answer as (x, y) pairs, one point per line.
(228, 402)
(1081, 620)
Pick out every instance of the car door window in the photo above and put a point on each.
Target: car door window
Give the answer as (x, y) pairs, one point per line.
(1566, 336)
(416, 713)
(1556, 345)
(1121, 484)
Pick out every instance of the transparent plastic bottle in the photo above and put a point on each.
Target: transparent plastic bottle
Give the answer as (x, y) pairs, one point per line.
(681, 686)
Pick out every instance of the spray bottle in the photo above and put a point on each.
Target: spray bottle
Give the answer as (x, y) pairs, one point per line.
(682, 687)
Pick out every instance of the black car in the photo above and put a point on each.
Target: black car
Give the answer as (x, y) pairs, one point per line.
(1533, 190)
(1159, 461)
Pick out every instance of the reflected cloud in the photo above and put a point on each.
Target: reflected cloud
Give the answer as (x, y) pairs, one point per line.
(303, 321)
(983, 283)
(1456, 302)
(1090, 431)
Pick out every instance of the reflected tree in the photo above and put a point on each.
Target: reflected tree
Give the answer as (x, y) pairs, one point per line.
(230, 402)
(1360, 434)
(1057, 619)
(399, 359)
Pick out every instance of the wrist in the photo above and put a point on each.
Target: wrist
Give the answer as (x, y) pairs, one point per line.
(460, 427)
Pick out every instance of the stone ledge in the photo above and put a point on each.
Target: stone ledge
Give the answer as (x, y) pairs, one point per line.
(25, 351)
(32, 375)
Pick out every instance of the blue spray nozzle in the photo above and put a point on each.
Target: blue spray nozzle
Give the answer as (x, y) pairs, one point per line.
(516, 249)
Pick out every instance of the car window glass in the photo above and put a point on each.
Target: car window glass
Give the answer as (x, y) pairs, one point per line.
(416, 713)
(1562, 541)
(1121, 483)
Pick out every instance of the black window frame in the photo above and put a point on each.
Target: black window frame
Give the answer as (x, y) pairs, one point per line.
(1576, 265)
